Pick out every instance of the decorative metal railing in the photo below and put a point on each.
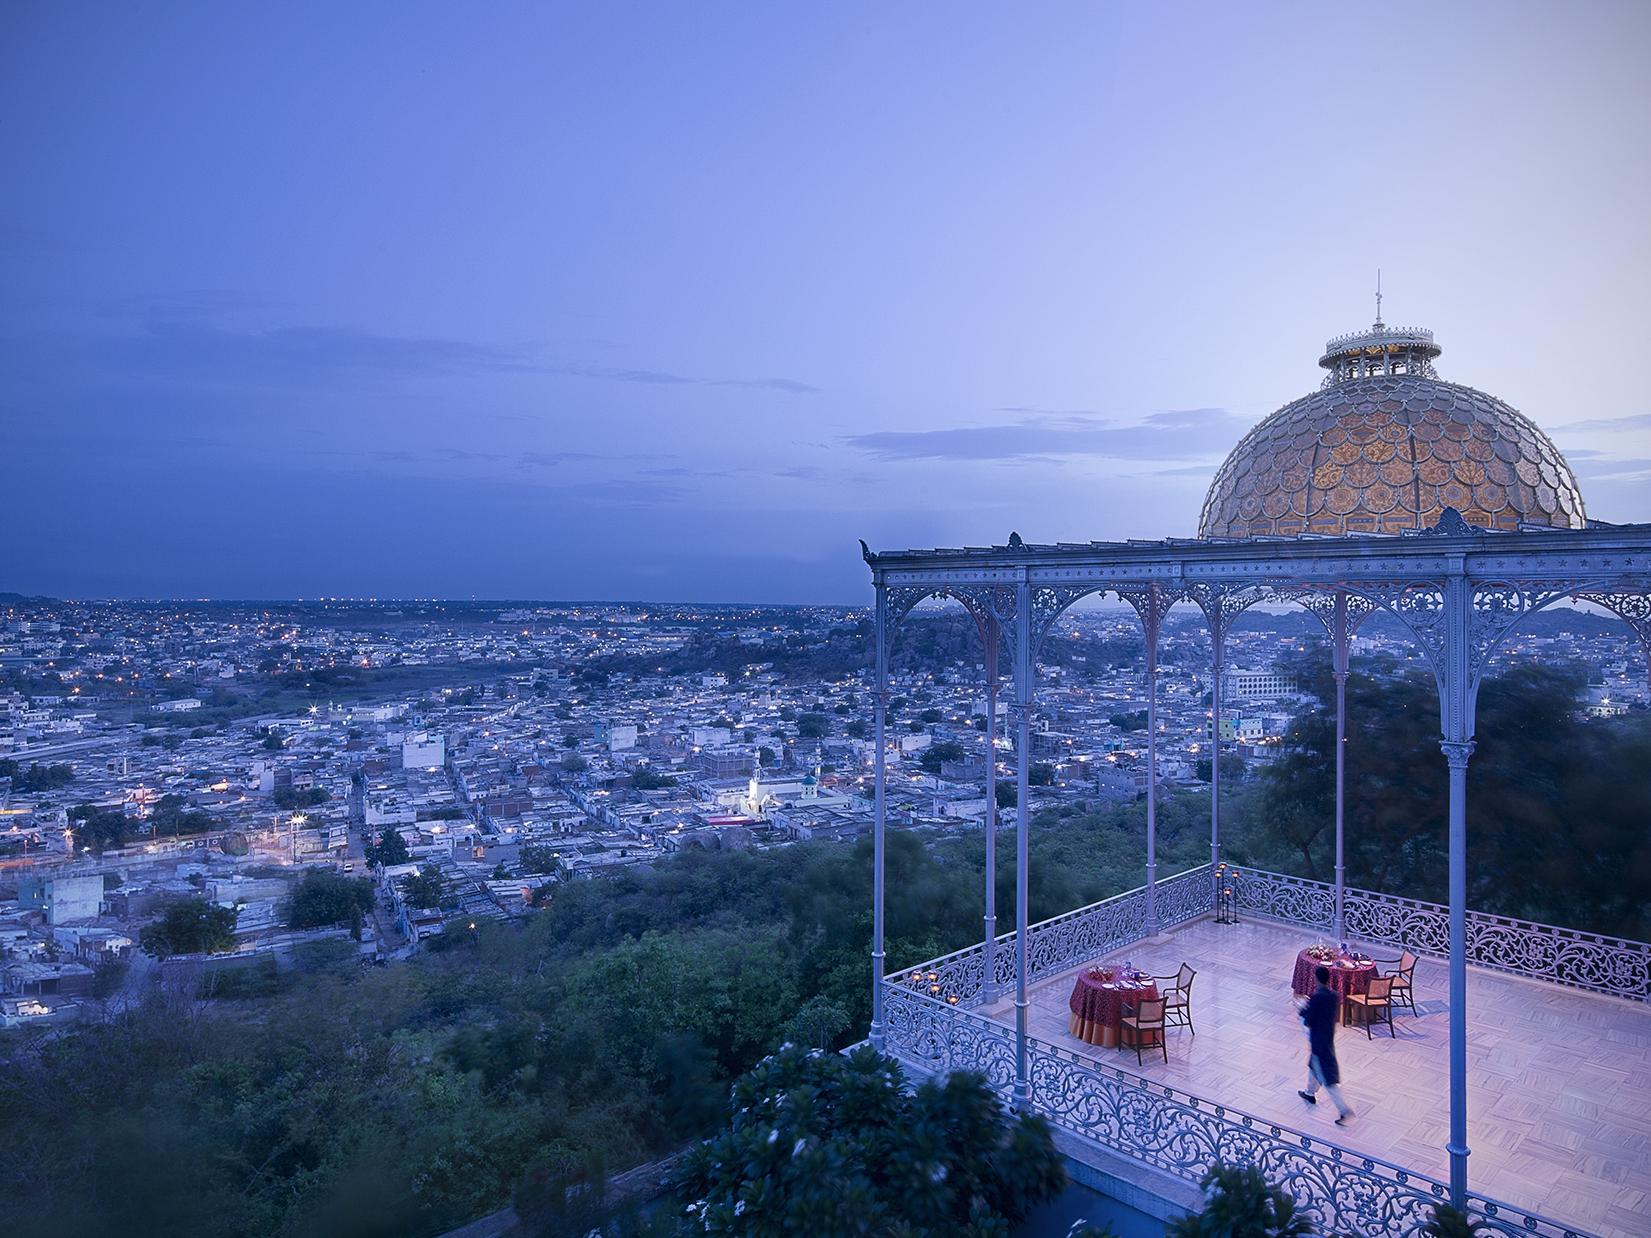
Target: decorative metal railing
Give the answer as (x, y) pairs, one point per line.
(1064, 941)
(1341, 1192)
(1564, 956)
(1397, 334)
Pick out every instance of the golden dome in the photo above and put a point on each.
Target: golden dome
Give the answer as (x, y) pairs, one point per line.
(1384, 447)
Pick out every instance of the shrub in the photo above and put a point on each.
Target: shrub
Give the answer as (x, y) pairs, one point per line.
(822, 1144)
(1450, 1222)
(1241, 1203)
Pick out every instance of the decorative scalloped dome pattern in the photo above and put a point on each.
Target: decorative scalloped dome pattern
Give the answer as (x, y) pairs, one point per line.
(1386, 454)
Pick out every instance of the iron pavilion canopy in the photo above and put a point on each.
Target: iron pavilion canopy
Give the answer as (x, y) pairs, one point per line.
(1459, 590)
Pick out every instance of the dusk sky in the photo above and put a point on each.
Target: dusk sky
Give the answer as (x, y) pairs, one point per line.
(676, 301)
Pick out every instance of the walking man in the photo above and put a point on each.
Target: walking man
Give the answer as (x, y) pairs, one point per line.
(1319, 1016)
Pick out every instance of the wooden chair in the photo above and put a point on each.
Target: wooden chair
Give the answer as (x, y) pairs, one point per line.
(1177, 991)
(1148, 1017)
(1378, 997)
(1403, 977)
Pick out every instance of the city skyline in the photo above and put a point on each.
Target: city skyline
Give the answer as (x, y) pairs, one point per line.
(657, 306)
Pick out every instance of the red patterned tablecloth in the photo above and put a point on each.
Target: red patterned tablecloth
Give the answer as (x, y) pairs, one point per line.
(1097, 1006)
(1345, 977)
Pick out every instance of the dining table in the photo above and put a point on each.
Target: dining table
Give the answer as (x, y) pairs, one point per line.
(1349, 973)
(1101, 996)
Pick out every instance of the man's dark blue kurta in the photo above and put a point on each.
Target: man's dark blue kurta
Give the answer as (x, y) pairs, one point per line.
(1320, 1017)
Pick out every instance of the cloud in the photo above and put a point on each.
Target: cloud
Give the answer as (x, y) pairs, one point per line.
(186, 303)
(1187, 418)
(1639, 421)
(1612, 469)
(623, 491)
(788, 385)
(1161, 436)
(1029, 410)
(621, 374)
(292, 355)
(551, 459)
(173, 338)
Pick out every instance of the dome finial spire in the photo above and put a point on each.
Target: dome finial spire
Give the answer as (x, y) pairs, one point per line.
(1379, 323)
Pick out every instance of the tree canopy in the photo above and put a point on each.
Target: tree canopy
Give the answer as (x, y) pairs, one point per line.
(425, 887)
(1539, 773)
(821, 1144)
(325, 897)
(190, 926)
(388, 850)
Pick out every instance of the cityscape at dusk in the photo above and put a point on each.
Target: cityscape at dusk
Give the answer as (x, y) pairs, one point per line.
(631, 621)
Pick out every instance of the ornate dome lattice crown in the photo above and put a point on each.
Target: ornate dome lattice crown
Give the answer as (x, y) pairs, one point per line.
(1384, 446)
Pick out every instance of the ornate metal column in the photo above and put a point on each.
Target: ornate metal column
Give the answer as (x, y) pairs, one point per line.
(1150, 604)
(1023, 770)
(1218, 642)
(1456, 693)
(881, 698)
(1222, 605)
(990, 633)
(1339, 660)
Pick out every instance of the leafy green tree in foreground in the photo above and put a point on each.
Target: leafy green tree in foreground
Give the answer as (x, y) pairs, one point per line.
(190, 926)
(822, 1144)
(1241, 1203)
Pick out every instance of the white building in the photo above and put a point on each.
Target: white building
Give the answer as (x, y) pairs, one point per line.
(388, 808)
(61, 899)
(1257, 685)
(422, 750)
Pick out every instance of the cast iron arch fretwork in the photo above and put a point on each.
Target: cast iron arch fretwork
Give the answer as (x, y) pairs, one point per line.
(1151, 602)
(1049, 603)
(1321, 605)
(898, 601)
(1222, 604)
(1497, 608)
(1420, 606)
(984, 603)
(1630, 601)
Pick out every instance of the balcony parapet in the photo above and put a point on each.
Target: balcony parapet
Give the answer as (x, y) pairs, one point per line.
(1570, 957)
(1340, 1191)
(1061, 942)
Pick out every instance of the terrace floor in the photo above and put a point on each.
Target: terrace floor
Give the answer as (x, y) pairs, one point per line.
(1559, 1081)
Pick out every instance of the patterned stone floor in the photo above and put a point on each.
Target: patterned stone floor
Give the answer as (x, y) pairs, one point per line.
(1559, 1081)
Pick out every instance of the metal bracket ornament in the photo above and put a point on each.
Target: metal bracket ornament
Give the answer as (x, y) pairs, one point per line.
(1449, 524)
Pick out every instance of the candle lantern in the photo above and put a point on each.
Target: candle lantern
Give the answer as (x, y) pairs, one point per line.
(1226, 897)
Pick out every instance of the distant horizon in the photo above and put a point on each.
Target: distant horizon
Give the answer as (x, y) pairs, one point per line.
(312, 300)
